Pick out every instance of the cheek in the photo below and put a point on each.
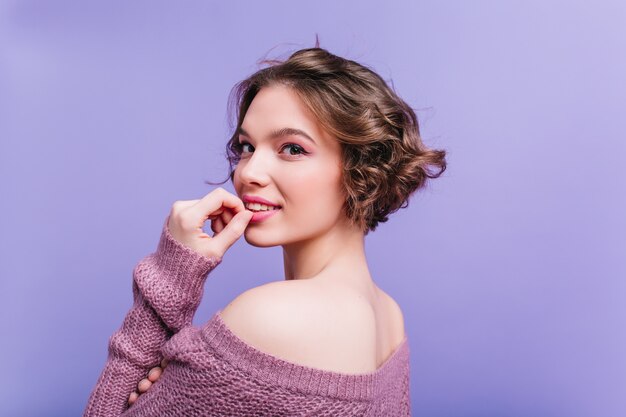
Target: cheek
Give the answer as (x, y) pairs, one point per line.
(236, 181)
(315, 191)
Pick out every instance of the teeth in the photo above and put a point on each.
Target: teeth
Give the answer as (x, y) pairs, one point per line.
(259, 207)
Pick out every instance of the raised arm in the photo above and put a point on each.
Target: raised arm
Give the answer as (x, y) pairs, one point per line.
(167, 290)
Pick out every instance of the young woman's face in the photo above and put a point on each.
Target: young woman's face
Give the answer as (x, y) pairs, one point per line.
(302, 176)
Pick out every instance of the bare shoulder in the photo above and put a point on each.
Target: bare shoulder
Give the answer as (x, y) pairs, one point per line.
(395, 317)
(305, 324)
(266, 310)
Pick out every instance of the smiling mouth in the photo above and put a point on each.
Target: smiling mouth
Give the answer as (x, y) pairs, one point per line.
(257, 207)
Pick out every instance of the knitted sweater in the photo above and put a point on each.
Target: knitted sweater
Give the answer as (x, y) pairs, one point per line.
(211, 371)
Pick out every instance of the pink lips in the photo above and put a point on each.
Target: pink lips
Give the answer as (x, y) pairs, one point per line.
(256, 199)
(259, 216)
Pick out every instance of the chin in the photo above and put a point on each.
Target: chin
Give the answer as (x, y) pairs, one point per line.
(261, 239)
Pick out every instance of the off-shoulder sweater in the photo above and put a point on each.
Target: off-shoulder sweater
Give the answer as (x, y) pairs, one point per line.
(213, 372)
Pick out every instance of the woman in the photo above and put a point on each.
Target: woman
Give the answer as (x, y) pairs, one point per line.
(323, 152)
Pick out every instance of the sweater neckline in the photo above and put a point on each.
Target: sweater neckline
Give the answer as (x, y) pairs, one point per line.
(301, 378)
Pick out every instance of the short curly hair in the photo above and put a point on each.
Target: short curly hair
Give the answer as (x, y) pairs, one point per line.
(383, 155)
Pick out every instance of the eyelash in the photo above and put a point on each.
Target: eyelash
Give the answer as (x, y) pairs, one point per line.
(239, 148)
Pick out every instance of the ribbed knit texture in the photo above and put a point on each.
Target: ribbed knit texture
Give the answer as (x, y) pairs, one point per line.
(211, 371)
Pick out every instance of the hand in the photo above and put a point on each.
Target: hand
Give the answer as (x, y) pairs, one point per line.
(146, 383)
(229, 219)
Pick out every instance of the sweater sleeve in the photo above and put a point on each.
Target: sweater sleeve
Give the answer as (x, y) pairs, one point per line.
(405, 403)
(167, 289)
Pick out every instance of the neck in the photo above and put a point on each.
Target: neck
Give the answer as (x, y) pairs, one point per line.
(340, 249)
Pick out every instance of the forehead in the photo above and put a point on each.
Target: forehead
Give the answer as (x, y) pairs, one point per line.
(277, 107)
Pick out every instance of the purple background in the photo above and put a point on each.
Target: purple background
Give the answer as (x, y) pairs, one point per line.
(510, 269)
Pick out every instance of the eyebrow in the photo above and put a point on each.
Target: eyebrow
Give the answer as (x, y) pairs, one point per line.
(285, 131)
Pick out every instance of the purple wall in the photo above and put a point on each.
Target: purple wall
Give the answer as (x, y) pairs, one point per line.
(511, 268)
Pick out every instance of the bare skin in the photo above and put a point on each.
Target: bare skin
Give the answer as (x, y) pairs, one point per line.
(322, 250)
(303, 174)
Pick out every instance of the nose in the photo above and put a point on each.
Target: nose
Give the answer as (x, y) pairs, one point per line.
(254, 169)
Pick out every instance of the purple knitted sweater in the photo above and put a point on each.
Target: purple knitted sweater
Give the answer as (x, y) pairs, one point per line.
(212, 372)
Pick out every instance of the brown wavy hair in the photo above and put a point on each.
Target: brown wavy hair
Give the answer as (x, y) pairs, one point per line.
(385, 160)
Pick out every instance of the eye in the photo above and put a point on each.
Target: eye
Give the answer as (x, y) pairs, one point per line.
(243, 147)
(240, 147)
(294, 148)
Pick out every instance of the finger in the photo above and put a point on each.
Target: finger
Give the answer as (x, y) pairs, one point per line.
(212, 202)
(227, 216)
(233, 230)
(133, 397)
(154, 374)
(223, 220)
(143, 385)
(216, 213)
(164, 363)
(217, 226)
